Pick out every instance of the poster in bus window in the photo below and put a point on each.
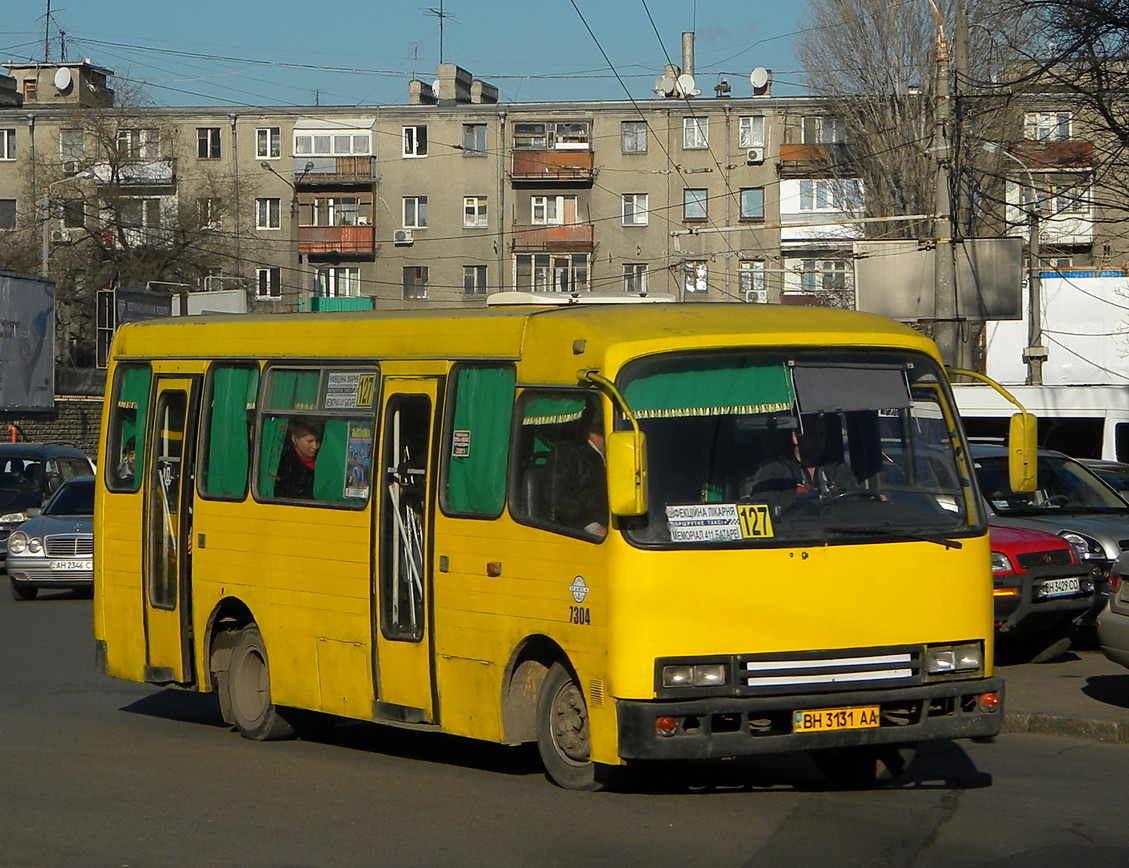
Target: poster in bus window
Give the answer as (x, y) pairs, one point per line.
(358, 457)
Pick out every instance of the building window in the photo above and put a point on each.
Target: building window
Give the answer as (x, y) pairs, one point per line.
(334, 211)
(268, 282)
(333, 143)
(7, 144)
(31, 90)
(208, 212)
(415, 141)
(634, 137)
(415, 212)
(551, 272)
(141, 213)
(819, 130)
(1046, 126)
(474, 212)
(474, 140)
(694, 204)
(74, 213)
(695, 133)
(415, 282)
(831, 195)
(139, 144)
(634, 277)
(750, 131)
(634, 209)
(1070, 199)
(208, 143)
(267, 213)
(752, 203)
(553, 210)
(71, 144)
(563, 135)
(7, 213)
(695, 275)
(338, 281)
(750, 278)
(474, 280)
(268, 143)
(823, 276)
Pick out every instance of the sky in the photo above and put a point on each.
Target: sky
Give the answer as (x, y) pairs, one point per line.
(363, 52)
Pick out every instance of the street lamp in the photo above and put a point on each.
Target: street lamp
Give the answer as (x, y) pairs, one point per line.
(1034, 354)
(44, 205)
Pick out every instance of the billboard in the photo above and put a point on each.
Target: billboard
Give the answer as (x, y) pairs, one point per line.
(896, 278)
(27, 342)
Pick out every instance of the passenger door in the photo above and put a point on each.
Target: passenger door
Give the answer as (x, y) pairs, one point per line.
(168, 487)
(406, 490)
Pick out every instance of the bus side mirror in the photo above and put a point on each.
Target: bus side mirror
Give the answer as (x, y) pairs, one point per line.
(1023, 446)
(627, 473)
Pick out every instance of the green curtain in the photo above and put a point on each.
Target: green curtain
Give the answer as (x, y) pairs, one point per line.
(273, 442)
(329, 471)
(228, 458)
(552, 410)
(132, 411)
(710, 387)
(480, 439)
(294, 390)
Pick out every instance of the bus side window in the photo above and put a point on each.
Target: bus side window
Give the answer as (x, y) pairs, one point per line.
(474, 477)
(127, 427)
(230, 403)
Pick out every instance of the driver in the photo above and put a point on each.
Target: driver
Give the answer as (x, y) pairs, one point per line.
(804, 472)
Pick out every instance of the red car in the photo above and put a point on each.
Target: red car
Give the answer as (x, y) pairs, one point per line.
(1040, 588)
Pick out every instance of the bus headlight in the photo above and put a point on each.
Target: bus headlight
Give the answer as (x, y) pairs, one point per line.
(17, 543)
(945, 659)
(699, 675)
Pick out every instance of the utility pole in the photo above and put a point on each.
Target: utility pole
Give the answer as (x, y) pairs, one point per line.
(946, 327)
(1035, 353)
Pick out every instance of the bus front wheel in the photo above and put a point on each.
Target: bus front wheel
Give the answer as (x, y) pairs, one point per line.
(248, 686)
(867, 766)
(562, 732)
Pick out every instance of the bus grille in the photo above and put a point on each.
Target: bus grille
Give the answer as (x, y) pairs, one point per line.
(828, 671)
(70, 545)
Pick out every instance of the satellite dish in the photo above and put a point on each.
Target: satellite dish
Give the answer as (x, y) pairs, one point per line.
(62, 78)
(686, 85)
(664, 84)
(760, 78)
(435, 87)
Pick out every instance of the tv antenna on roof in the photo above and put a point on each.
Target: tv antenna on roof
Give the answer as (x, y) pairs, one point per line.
(442, 16)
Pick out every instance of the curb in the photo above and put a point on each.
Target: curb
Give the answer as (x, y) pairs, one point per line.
(1067, 725)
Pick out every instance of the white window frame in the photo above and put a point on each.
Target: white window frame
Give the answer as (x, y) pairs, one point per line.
(7, 144)
(475, 214)
(414, 139)
(695, 133)
(690, 201)
(417, 289)
(751, 280)
(209, 209)
(832, 275)
(749, 218)
(552, 210)
(268, 143)
(209, 139)
(338, 281)
(333, 143)
(750, 131)
(633, 137)
(830, 194)
(1047, 126)
(634, 277)
(268, 212)
(139, 143)
(695, 276)
(474, 280)
(635, 211)
(552, 272)
(474, 144)
(268, 283)
(413, 212)
(72, 150)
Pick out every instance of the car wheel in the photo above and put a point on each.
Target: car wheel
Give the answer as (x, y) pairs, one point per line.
(562, 732)
(858, 768)
(21, 591)
(248, 690)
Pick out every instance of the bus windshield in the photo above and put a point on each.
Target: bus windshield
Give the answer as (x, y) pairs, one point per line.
(763, 448)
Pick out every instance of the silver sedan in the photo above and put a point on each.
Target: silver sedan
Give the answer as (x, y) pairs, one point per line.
(55, 549)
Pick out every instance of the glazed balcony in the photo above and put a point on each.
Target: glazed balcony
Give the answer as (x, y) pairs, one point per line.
(338, 240)
(552, 167)
(334, 171)
(569, 238)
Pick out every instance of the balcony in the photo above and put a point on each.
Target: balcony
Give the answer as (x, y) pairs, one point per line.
(139, 173)
(559, 166)
(340, 240)
(1065, 156)
(570, 238)
(334, 171)
(799, 159)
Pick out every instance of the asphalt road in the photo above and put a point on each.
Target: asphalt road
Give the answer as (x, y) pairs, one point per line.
(97, 772)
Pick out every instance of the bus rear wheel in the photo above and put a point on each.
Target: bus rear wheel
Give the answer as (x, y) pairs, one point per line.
(248, 690)
(562, 732)
(858, 768)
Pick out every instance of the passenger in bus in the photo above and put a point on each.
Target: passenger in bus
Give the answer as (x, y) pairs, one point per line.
(295, 475)
(808, 471)
(578, 481)
(125, 469)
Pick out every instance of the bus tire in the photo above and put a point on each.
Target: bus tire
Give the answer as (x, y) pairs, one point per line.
(562, 732)
(248, 688)
(22, 592)
(858, 768)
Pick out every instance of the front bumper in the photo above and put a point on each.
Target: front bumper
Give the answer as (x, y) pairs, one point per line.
(1030, 613)
(36, 572)
(712, 728)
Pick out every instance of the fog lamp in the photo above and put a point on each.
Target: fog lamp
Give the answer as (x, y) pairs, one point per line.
(666, 726)
(988, 702)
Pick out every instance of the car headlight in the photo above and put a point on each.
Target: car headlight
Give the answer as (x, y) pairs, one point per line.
(698, 675)
(17, 543)
(1085, 547)
(13, 518)
(34, 545)
(1000, 563)
(946, 659)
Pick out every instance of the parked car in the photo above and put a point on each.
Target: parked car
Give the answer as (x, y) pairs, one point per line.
(55, 547)
(29, 474)
(1070, 501)
(1115, 474)
(1040, 588)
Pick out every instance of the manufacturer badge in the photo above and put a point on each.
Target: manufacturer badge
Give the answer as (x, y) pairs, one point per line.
(579, 589)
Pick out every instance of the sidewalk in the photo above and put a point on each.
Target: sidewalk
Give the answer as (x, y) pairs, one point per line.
(1081, 694)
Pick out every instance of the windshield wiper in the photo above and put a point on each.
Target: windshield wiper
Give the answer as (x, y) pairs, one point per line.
(940, 540)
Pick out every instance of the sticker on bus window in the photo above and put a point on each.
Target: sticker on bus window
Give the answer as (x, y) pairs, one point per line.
(349, 390)
(358, 460)
(718, 522)
(460, 444)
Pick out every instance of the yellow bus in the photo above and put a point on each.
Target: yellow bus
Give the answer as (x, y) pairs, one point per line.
(552, 522)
